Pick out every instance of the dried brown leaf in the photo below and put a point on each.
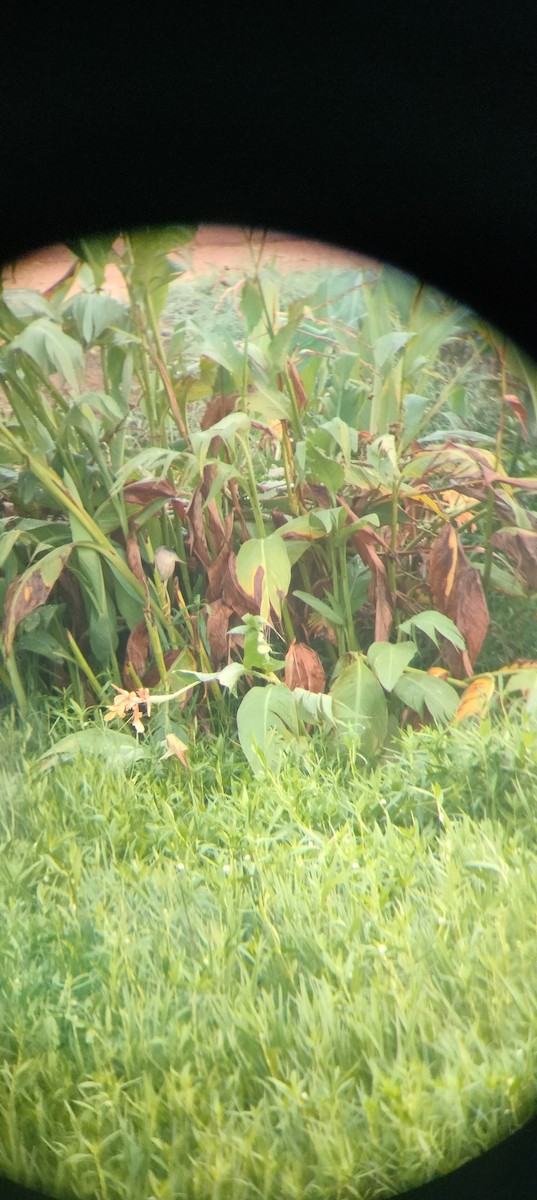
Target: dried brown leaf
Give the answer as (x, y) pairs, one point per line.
(217, 627)
(457, 592)
(303, 668)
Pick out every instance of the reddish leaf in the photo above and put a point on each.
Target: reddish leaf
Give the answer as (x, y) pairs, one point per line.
(519, 411)
(146, 490)
(233, 594)
(216, 409)
(457, 592)
(520, 546)
(31, 590)
(364, 541)
(197, 540)
(217, 627)
(134, 559)
(303, 668)
(136, 653)
(152, 677)
(297, 385)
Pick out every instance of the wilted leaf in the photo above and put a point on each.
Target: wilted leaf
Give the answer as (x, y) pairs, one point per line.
(136, 653)
(364, 541)
(518, 410)
(520, 546)
(217, 631)
(476, 699)
(233, 594)
(197, 540)
(303, 668)
(457, 592)
(218, 407)
(299, 390)
(31, 589)
(174, 746)
(146, 490)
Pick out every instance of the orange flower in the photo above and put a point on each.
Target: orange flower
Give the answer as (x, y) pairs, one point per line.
(129, 702)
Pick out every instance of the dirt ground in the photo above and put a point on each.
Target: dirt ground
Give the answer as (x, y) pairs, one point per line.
(216, 249)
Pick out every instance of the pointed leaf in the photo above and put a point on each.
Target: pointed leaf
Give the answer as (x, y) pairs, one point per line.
(419, 689)
(117, 749)
(267, 722)
(52, 349)
(389, 661)
(359, 705)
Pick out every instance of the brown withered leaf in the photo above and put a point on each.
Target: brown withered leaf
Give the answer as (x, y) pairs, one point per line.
(364, 541)
(520, 545)
(220, 530)
(136, 653)
(217, 627)
(216, 573)
(303, 668)
(134, 559)
(519, 411)
(217, 408)
(196, 539)
(30, 591)
(457, 592)
(233, 594)
(297, 385)
(144, 491)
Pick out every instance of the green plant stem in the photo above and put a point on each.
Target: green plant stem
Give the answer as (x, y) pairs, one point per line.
(343, 573)
(252, 489)
(98, 690)
(16, 683)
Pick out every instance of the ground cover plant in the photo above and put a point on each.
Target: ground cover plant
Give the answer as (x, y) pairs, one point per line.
(320, 983)
(284, 531)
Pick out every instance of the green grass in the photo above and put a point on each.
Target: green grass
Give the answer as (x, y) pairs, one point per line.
(318, 985)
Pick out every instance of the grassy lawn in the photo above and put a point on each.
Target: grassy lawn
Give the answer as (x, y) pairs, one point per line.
(321, 984)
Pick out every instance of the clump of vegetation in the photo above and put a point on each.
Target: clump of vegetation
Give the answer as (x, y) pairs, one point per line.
(334, 553)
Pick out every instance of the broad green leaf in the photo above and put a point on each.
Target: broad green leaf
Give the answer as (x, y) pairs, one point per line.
(417, 689)
(52, 349)
(359, 706)
(7, 542)
(359, 579)
(267, 723)
(433, 623)
(269, 403)
(93, 312)
(257, 655)
(96, 252)
(27, 304)
(314, 707)
(389, 661)
(264, 571)
(117, 749)
(387, 346)
(251, 305)
(236, 424)
(319, 468)
(414, 409)
(343, 434)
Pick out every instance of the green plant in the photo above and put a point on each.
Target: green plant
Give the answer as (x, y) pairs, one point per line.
(295, 469)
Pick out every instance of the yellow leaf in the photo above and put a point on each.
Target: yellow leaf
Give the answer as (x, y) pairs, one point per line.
(475, 700)
(453, 546)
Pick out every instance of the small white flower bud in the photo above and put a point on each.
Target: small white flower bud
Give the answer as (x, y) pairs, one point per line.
(165, 561)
